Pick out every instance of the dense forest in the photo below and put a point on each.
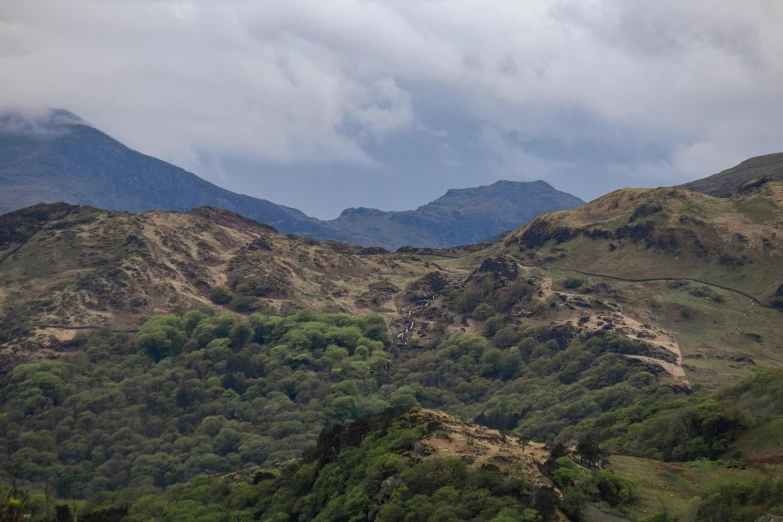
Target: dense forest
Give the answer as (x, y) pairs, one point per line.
(199, 392)
(196, 393)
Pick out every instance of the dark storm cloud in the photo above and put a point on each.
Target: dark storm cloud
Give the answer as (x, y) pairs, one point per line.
(324, 105)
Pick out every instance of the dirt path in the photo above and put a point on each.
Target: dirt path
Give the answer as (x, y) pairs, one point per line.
(59, 327)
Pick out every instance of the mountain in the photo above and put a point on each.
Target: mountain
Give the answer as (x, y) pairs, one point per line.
(460, 217)
(77, 266)
(200, 365)
(58, 157)
(730, 180)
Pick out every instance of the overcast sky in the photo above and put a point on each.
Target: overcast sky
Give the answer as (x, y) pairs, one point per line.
(326, 104)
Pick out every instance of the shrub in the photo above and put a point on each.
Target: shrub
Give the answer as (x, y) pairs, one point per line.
(483, 312)
(220, 295)
(241, 304)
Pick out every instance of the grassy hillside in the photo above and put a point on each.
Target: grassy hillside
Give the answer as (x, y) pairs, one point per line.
(708, 271)
(643, 233)
(731, 180)
(419, 464)
(65, 268)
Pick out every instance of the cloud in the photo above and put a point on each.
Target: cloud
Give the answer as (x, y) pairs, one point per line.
(623, 91)
(36, 122)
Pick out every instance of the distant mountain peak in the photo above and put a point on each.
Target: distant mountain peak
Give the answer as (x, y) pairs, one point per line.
(503, 184)
(360, 211)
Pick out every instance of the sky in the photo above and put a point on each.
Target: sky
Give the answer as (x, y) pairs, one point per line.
(328, 104)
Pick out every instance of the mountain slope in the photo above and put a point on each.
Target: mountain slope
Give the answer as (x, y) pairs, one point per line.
(649, 233)
(60, 158)
(63, 159)
(708, 271)
(77, 266)
(734, 178)
(65, 268)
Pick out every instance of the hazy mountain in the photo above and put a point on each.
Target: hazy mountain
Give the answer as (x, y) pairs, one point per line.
(60, 158)
(460, 217)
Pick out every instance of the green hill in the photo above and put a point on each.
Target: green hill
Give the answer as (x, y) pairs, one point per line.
(731, 180)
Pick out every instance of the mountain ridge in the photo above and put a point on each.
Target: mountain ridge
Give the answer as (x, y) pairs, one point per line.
(61, 158)
(731, 180)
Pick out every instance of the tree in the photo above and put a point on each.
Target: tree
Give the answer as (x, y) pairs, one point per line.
(588, 451)
(558, 450)
(404, 398)
(491, 326)
(160, 337)
(344, 408)
(357, 432)
(241, 335)
(506, 337)
(546, 501)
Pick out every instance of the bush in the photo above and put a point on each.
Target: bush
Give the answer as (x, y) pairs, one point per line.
(687, 313)
(467, 301)
(220, 295)
(572, 283)
(241, 304)
(483, 312)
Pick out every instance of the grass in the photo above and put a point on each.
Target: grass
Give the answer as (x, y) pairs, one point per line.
(764, 442)
(715, 351)
(671, 486)
(758, 209)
